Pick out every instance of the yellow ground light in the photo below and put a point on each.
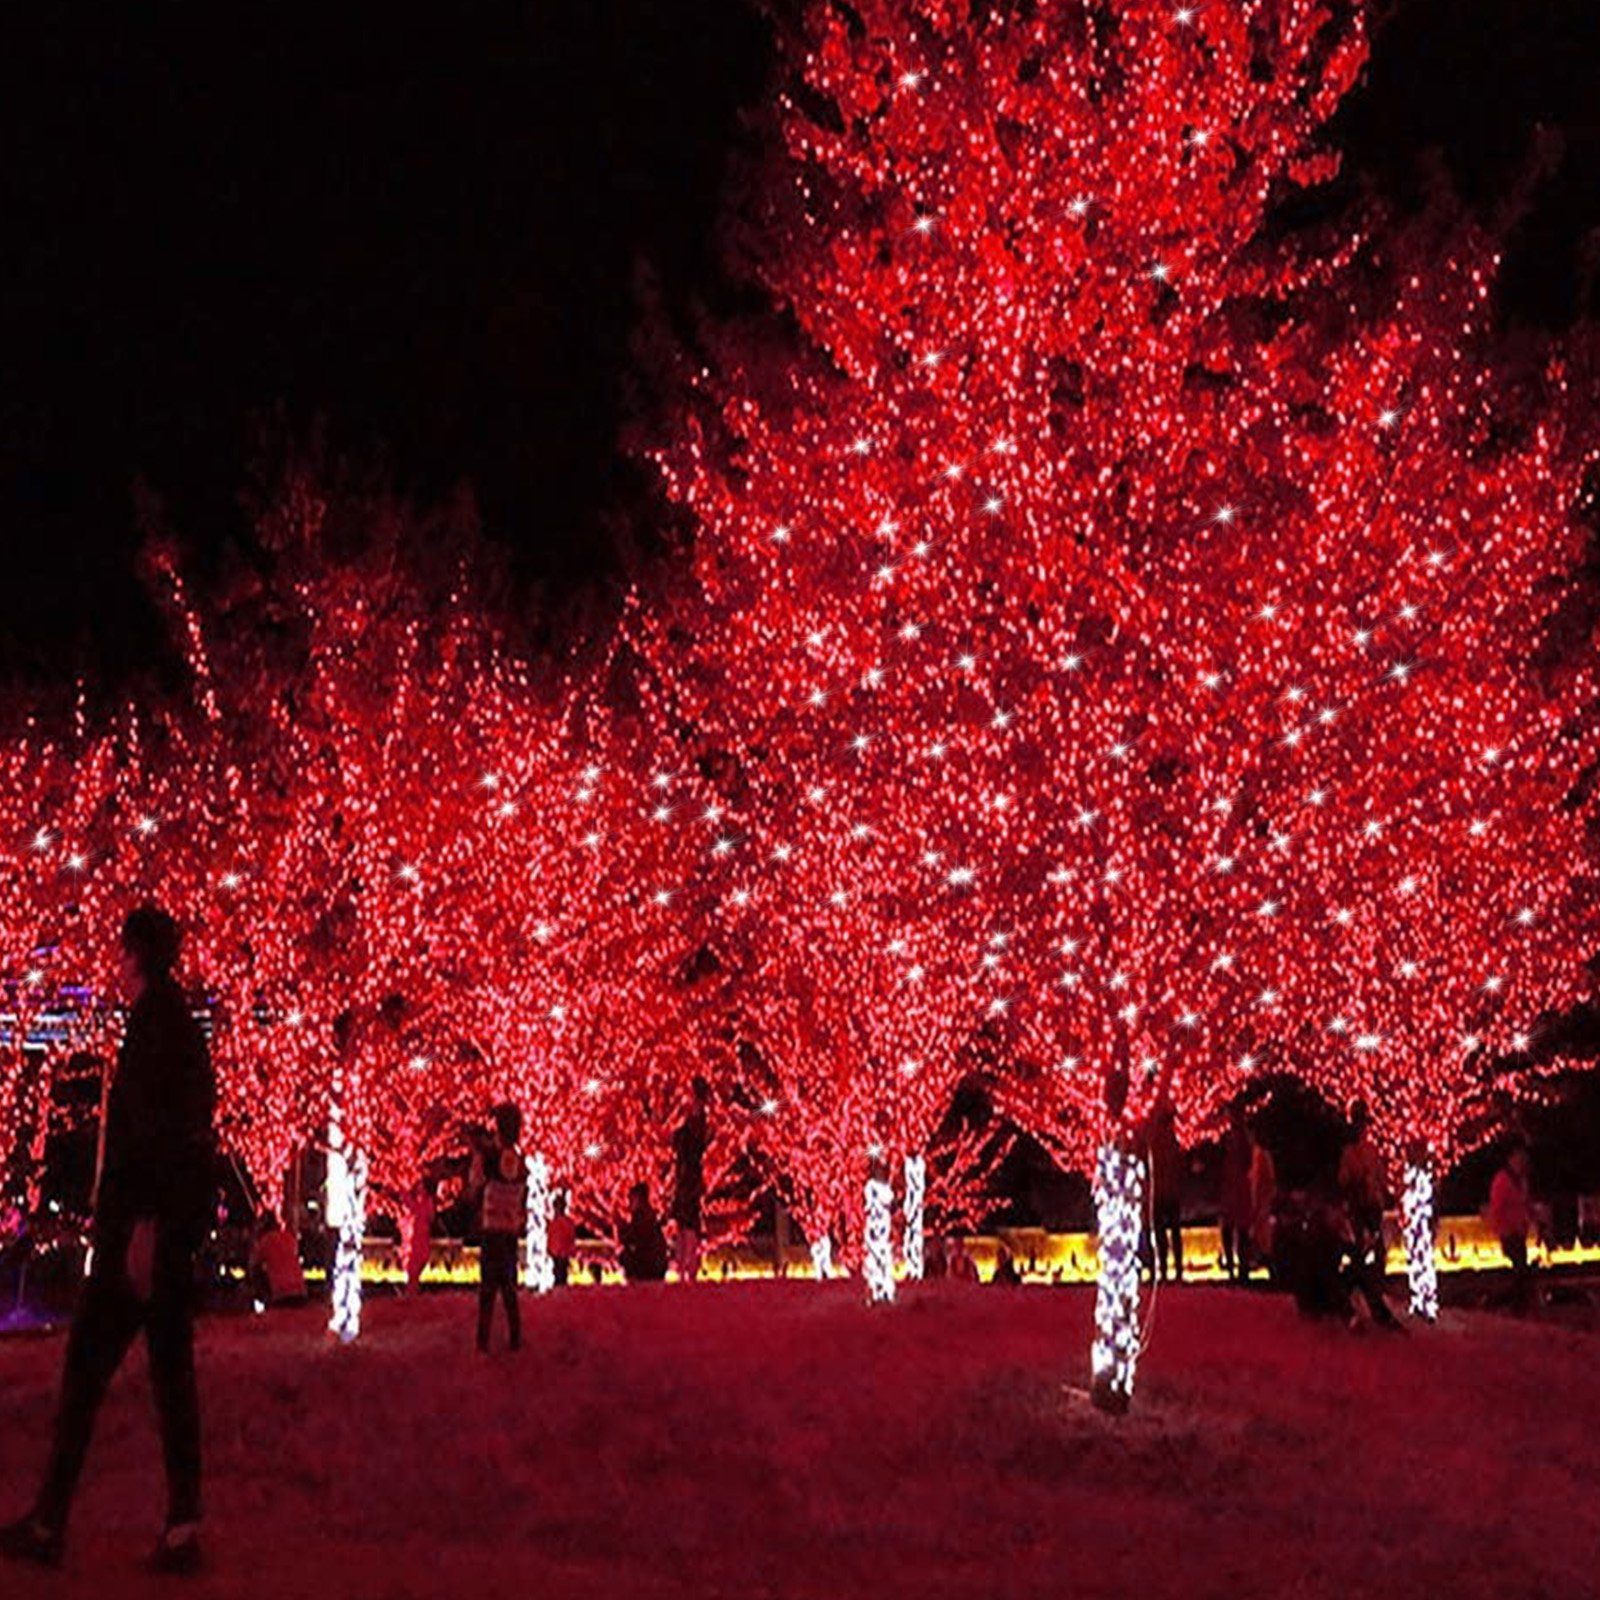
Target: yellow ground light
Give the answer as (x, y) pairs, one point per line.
(1464, 1244)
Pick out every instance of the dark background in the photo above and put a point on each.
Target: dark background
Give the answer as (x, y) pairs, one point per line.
(425, 223)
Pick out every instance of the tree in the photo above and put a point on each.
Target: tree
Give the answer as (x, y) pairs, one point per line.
(1084, 478)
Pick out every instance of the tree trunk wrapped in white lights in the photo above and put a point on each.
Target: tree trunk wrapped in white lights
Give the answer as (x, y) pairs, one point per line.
(1119, 1205)
(1416, 1209)
(877, 1241)
(916, 1192)
(539, 1272)
(822, 1257)
(347, 1213)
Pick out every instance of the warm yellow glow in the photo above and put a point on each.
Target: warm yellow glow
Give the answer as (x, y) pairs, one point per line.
(1465, 1244)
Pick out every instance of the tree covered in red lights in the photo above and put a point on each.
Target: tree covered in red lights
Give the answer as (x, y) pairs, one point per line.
(443, 876)
(1094, 502)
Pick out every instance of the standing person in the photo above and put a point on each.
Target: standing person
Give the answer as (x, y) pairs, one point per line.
(500, 1179)
(781, 1232)
(1363, 1188)
(1165, 1157)
(561, 1240)
(689, 1180)
(642, 1245)
(151, 1211)
(1511, 1218)
(1237, 1209)
(420, 1206)
(1263, 1197)
(959, 1265)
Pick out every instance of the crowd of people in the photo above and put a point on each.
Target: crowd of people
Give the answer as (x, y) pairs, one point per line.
(154, 1204)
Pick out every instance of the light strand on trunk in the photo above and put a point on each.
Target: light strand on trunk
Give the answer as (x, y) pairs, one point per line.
(539, 1272)
(1417, 1214)
(877, 1242)
(1118, 1197)
(916, 1192)
(347, 1211)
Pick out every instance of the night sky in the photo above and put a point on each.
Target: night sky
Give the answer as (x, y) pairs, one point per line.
(425, 225)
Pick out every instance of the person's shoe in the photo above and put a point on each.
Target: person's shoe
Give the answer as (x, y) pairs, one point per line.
(177, 1552)
(30, 1540)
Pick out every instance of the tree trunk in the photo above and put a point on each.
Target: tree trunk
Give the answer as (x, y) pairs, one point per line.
(1119, 1213)
(347, 1212)
(916, 1192)
(538, 1272)
(878, 1243)
(1416, 1206)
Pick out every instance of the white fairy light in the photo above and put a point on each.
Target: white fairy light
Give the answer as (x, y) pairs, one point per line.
(1416, 1209)
(538, 1271)
(822, 1257)
(347, 1214)
(1118, 1198)
(878, 1250)
(916, 1171)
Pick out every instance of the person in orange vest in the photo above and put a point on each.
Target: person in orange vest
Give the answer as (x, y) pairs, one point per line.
(275, 1264)
(562, 1239)
(499, 1178)
(1511, 1219)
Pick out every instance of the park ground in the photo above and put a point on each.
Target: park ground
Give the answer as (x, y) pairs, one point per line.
(783, 1440)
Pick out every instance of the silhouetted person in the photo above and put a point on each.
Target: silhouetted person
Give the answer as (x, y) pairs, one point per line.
(958, 1263)
(151, 1212)
(500, 1180)
(643, 1246)
(1165, 1157)
(689, 1180)
(1330, 1273)
(1005, 1268)
(1238, 1205)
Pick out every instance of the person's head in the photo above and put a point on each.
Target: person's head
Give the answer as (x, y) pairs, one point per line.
(639, 1197)
(1359, 1118)
(1517, 1157)
(702, 1091)
(953, 1247)
(507, 1122)
(150, 941)
(558, 1203)
(268, 1221)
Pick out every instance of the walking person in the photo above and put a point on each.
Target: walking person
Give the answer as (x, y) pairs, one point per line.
(151, 1211)
(689, 1181)
(499, 1178)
